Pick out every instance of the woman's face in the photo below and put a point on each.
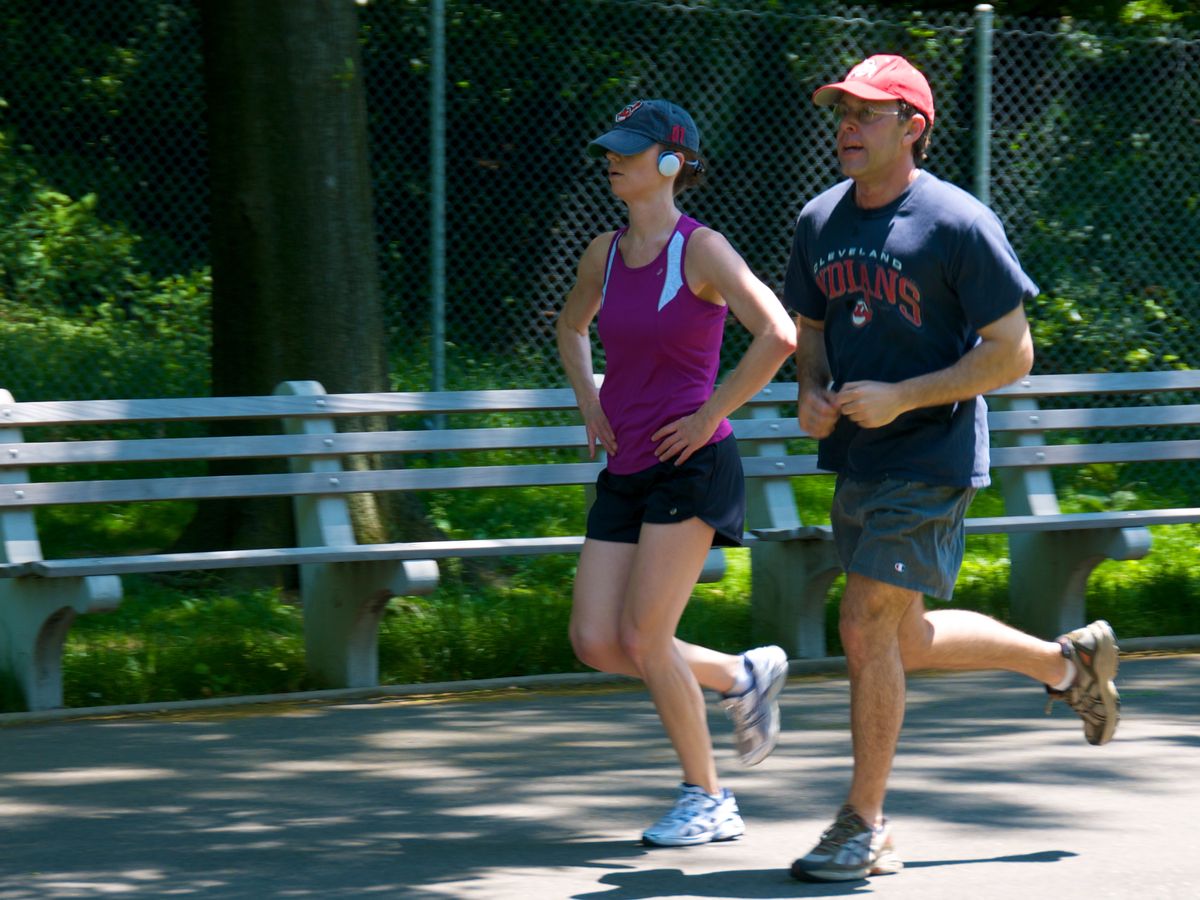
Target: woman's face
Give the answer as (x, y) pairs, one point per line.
(632, 177)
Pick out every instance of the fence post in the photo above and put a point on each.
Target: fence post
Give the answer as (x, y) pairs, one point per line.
(437, 191)
(983, 102)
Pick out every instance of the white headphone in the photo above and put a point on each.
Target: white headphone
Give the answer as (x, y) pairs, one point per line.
(668, 163)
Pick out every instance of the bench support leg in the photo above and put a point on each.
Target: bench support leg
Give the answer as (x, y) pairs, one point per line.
(35, 616)
(1049, 572)
(343, 605)
(789, 584)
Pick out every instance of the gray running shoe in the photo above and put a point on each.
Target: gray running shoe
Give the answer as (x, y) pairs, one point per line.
(697, 818)
(755, 713)
(1093, 649)
(849, 850)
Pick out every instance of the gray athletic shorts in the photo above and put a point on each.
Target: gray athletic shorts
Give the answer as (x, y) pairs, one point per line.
(902, 533)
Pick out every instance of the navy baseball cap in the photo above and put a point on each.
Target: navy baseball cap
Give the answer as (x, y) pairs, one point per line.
(646, 122)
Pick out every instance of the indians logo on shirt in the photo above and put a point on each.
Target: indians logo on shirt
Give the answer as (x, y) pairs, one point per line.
(861, 314)
(875, 280)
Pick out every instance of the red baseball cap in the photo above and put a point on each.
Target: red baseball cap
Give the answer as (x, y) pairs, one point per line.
(881, 77)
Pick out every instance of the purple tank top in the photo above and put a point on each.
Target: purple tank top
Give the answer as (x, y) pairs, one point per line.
(662, 344)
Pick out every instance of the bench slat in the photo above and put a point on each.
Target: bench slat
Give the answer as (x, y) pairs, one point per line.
(1041, 455)
(310, 483)
(277, 556)
(1101, 383)
(1107, 417)
(31, 413)
(1072, 521)
(131, 490)
(1047, 385)
(1138, 518)
(38, 453)
(266, 446)
(230, 559)
(1087, 454)
(282, 406)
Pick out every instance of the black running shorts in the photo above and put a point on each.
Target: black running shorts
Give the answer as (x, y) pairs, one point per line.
(709, 486)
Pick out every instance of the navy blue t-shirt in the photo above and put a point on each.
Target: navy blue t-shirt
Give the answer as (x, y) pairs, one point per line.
(903, 290)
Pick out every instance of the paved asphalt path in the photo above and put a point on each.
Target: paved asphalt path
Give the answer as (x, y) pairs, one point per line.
(531, 795)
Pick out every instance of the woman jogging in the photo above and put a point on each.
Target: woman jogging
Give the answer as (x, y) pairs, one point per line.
(660, 289)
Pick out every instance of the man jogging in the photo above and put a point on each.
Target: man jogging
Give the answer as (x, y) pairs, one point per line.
(910, 306)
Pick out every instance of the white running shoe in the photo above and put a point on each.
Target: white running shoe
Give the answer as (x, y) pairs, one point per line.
(755, 712)
(697, 818)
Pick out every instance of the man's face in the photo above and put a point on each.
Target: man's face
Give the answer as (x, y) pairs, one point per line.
(873, 141)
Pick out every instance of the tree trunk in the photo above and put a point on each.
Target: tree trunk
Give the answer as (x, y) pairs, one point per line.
(295, 275)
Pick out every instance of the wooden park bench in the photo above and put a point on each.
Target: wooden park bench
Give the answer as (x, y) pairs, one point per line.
(345, 585)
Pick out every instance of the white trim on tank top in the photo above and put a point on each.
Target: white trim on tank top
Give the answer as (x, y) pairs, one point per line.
(612, 254)
(674, 278)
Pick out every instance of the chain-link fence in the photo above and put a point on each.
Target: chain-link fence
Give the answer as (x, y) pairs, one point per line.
(1094, 147)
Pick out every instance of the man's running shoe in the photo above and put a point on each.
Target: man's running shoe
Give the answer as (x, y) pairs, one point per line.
(755, 712)
(697, 818)
(1093, 696)
(849, 850)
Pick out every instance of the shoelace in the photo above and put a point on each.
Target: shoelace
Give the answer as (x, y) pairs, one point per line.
(686, 807)
(748, 710)
(841, 831)
(747, 718)
(1089, 708)
(1081, 697)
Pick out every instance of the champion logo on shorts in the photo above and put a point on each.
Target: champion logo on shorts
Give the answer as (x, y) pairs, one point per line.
(899, 567)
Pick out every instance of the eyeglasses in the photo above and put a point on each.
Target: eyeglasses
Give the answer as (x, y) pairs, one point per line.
(864, 115)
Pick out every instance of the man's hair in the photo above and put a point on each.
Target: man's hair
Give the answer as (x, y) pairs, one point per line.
(907, 111)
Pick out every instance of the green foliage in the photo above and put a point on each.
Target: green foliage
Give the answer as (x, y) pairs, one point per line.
(1156, 595)
(1147, 12)
(1115, 296)
(56, 252)
(110, 95)
(111, 528)
(515, 625)
(718, 615)
(170, 643)
(157, 346)
(1107, 331)
(76, 302)
(1137, 12)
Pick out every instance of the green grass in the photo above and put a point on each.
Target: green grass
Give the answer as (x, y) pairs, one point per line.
(166, 642)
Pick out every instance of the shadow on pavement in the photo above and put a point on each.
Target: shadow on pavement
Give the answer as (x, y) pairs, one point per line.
(543, 795)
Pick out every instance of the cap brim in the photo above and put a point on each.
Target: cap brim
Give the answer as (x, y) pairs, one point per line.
(829, 94)
(619, 141)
